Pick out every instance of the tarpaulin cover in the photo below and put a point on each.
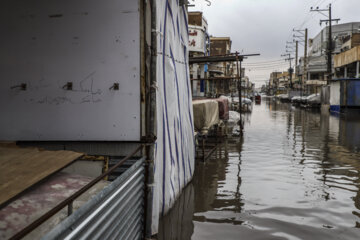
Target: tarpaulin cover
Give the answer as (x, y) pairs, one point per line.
(206, 114)
(175, 145)
(223, 107)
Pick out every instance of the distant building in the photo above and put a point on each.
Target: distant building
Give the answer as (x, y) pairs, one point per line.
(221, 46)
(316, 68)
(347, 63)
(279, 82)
(198, 46)
(318, 45)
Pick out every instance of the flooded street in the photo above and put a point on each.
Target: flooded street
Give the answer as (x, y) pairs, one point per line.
(294, 175)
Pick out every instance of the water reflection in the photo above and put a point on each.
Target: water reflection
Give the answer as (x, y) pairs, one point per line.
(178, 224)
(294, 175)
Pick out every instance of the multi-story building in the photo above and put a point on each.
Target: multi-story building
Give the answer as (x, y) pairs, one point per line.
(198, 46)
(347, 62)
(220, 46)
(279, 82)
(345, 86)
(273, 82)
(316, 67)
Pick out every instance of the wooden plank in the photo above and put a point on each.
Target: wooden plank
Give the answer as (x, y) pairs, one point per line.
(21, 168)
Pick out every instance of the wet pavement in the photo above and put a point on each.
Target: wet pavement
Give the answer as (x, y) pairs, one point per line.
(294, 175)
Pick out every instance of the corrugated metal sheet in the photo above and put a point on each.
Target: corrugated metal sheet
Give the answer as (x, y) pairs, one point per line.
(120, 170)
(114, 213)
(352, 93)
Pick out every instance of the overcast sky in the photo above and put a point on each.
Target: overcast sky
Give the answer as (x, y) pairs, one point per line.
(264, 26)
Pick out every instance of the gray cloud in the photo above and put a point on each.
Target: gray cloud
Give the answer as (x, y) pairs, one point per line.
(264, 26)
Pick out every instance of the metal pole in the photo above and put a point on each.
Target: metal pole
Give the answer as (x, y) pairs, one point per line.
(239, 73)
(238, 80)
(305, 61)
(329, 48)
(290, 72)
(151, 129)
(296, 59)
(240, 99)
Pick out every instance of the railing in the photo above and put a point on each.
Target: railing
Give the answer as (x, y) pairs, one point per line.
(69, 201)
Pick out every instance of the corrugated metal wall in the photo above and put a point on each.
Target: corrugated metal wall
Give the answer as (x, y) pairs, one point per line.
(353, 93)
(114, 213)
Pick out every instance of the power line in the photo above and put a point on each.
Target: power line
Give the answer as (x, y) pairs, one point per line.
(265, 64)
(309, 16)
(268, 65)
(278, 60)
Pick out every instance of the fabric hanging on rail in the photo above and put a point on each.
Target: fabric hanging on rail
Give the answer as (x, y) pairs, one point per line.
(175, 145)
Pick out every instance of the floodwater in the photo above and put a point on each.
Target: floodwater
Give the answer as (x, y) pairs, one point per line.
(294, 175)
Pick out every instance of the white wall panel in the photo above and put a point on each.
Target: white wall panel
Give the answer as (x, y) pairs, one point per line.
(91, 43)
(335, 93)
(197, 39)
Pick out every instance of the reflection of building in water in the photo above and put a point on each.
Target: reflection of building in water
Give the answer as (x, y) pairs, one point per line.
(208, 187)
(178, 224)
(350, 131)
(337, 163)
(202, 194)
(210, 175)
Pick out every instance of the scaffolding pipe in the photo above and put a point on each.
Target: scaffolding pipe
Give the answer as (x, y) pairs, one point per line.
(239, 88)
(150, 123)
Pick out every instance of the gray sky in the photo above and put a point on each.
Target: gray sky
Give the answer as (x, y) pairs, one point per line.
(264, 26)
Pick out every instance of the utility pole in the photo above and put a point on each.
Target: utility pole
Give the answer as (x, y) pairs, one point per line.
(289, 50)
(329, 50)
(302, 39)
(239, 74)
(305, 61)
(290, 69)
(329, 46)
(296, 57)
